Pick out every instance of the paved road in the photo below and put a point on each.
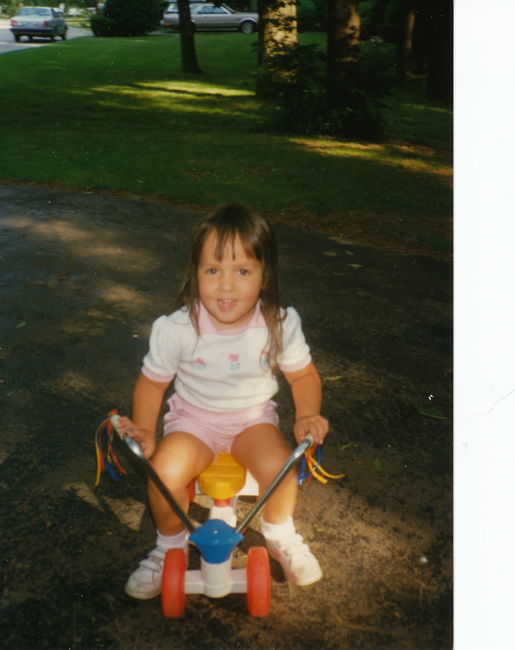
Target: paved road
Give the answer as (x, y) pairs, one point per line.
(7, 43)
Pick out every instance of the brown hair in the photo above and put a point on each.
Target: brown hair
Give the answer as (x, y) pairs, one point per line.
(258, 240)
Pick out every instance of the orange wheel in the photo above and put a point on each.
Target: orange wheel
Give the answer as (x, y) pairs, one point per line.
(174, 575)
(258, 581)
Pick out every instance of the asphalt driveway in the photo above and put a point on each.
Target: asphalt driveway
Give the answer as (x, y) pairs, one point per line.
(82, 276)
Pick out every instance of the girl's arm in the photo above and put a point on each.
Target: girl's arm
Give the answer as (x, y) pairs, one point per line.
(146, 406)
(306, 388)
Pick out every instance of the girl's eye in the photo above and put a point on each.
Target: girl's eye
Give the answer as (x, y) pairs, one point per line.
(211, 271)
(244, 272)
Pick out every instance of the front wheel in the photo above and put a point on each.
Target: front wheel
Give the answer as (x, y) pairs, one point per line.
(63, 35)
(173, 598)
(247, 27)
(258, 581)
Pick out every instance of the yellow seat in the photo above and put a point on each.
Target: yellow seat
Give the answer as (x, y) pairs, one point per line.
(223, 479)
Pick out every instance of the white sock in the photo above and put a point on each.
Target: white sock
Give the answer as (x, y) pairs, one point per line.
(165, 542)
(277, 531)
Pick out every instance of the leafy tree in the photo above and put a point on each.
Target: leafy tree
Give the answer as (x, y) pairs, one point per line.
(422, 32)
(132, 17)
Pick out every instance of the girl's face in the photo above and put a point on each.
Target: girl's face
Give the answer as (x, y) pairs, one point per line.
(229, 288)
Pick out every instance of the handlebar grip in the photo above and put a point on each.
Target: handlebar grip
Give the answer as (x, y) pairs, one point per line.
(132, 444)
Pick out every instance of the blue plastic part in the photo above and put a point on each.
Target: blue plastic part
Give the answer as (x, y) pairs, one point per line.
(215, 540)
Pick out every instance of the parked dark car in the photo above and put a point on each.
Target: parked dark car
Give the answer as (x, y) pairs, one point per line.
(206, 15)
(46, 22)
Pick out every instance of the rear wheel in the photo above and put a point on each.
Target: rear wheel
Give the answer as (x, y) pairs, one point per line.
(173, 597)
(247, 27)
(17, 38)
(258, 581)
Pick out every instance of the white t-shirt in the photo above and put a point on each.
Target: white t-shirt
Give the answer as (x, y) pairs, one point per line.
(222, 370)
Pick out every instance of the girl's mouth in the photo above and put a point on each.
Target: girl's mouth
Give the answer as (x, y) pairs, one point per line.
(226, 305)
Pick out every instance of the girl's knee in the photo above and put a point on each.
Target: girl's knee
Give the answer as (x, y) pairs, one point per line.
(178, 460)
(170, 469)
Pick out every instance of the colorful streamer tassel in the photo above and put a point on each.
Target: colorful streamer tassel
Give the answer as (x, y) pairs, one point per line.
(311, 467)
(106, 456)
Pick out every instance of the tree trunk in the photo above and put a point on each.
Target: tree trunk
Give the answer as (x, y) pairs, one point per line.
(405, 43)
(278, 20)
(440, 57)
(343, 30)
(188, 52)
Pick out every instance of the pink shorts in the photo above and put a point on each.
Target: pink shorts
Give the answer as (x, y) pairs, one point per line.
(216, 430)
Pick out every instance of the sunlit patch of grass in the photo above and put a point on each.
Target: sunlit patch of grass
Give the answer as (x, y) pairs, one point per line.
(195, 88)
(419, 159)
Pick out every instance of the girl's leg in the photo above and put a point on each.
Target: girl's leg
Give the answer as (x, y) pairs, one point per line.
(263, 451)
(178, 459)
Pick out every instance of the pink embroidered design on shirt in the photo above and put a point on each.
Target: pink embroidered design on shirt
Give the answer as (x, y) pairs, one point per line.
(200, 363)
(234, 361)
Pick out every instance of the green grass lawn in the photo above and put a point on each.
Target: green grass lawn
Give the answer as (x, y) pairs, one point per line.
(118, 115)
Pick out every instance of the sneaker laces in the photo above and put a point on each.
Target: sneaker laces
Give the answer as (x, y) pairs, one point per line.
(154, 560)
(293, 547)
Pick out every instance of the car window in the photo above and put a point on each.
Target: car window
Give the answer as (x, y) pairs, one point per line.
(32, 11)
(212, 10)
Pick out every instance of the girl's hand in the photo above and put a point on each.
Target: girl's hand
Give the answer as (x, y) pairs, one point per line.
(316, 425)
(145, 438)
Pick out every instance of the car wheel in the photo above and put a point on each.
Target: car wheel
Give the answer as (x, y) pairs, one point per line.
(17, 38)
(247, 27)
(63, 35)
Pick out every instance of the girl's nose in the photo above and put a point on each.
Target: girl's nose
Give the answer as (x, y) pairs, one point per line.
(226, 281)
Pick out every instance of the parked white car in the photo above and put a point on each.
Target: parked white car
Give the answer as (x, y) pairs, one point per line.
(46, 22)
(205, 15)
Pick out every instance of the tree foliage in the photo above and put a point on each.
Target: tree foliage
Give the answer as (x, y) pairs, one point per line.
(422, 33)
(127, 18)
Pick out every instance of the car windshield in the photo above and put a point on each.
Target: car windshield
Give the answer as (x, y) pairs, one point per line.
(34, 11)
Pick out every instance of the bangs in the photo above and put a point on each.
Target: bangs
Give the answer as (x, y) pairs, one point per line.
(226, 235)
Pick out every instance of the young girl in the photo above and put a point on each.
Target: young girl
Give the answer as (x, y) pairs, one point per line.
(223, 346)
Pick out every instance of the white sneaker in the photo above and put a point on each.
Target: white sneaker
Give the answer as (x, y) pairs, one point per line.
(145, 582)
(299, 564)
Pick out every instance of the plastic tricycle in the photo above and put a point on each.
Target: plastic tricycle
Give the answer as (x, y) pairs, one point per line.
(217, 538)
